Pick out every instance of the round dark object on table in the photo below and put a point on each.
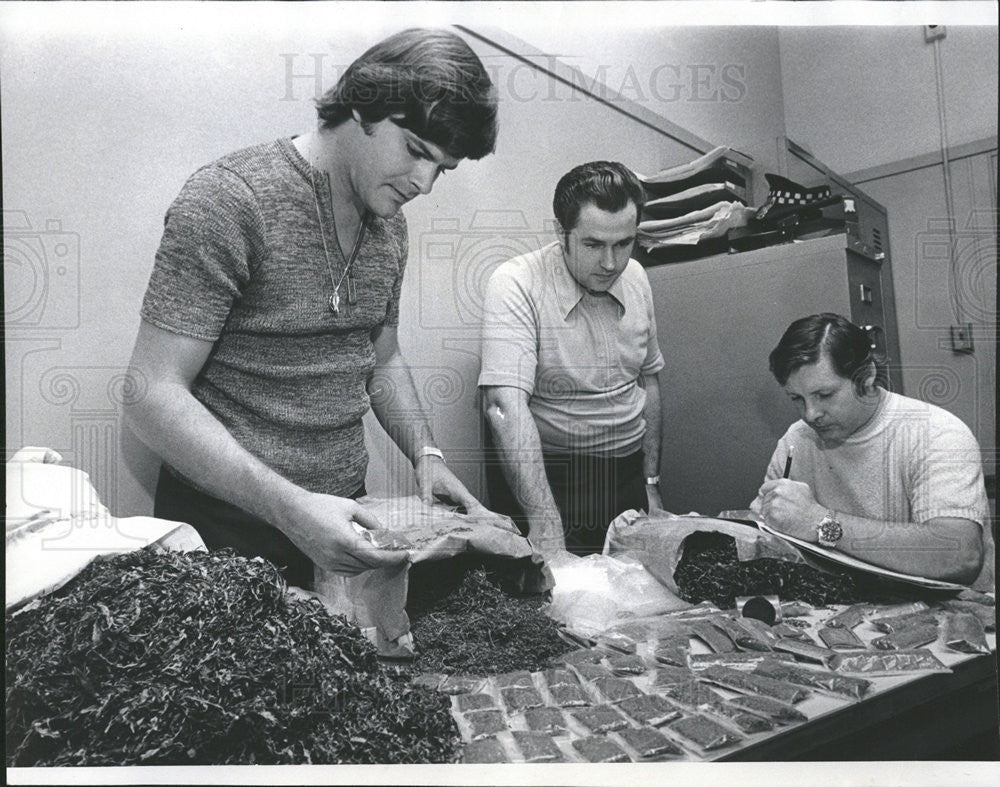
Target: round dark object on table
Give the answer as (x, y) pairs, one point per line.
(761, 608)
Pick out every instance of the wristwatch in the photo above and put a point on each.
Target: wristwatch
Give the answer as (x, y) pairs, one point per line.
(829, 531)
(652, 480)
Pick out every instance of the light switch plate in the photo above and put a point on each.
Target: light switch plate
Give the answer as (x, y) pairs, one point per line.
(933, 32)
(961, 338)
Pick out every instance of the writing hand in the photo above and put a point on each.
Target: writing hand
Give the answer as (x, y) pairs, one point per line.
(790, 507)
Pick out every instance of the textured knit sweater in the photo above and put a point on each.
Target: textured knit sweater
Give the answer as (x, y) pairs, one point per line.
(242, 264)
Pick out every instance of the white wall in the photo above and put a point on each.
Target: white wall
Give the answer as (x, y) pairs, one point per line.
(717, 82)
(107, 111)
(931, 296)
(867, 98)
(858, 97)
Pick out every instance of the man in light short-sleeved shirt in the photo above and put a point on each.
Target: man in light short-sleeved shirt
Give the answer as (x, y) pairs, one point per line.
(887, 479)
(569, 369)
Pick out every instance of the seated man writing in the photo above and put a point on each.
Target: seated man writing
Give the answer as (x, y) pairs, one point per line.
(889, 480)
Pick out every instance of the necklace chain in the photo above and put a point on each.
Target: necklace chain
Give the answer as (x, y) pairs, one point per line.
(334, 300)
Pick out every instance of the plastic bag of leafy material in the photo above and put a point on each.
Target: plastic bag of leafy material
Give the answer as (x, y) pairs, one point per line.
(657, 541)
(376, 599)
(718, 560)
(434, 532)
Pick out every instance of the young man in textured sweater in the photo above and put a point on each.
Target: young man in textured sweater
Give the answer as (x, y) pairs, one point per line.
(270, 323)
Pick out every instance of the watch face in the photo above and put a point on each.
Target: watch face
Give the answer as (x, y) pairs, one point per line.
(830, 531)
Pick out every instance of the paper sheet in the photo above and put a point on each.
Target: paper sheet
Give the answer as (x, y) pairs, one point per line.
(860, 565)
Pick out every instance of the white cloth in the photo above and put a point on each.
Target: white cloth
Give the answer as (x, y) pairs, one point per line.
(56, 525)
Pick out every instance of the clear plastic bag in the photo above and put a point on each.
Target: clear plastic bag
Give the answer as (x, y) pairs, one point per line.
(593, 593)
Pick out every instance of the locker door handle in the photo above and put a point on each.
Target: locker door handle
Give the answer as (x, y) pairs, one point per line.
(876, 335)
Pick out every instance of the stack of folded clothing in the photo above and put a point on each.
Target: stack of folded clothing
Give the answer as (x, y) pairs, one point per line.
(696, 201)
(793, 211)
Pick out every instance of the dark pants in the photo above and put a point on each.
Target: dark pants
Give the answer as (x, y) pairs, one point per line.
(221, 524)
(589, 491)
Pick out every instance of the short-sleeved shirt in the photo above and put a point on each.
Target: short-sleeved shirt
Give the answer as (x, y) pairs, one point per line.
(242, 264)
(912, 462)
(579, 356)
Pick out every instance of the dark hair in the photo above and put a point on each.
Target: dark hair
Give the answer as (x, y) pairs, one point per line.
(850, 349)
(607, 184)
(427, 81)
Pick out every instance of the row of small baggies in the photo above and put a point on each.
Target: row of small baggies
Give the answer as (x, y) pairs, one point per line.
(592, 709)
(574, 713)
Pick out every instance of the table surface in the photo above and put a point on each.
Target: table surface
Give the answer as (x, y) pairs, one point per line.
(913, 716)
(929, 711)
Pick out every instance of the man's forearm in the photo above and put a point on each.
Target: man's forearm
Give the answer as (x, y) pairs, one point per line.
(517, 441)
(397, 407)
(653, 436)
(185, 435)
(946, 548)
(939, 549)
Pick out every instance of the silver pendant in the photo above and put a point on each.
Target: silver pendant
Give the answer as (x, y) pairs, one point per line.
(335, 302)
